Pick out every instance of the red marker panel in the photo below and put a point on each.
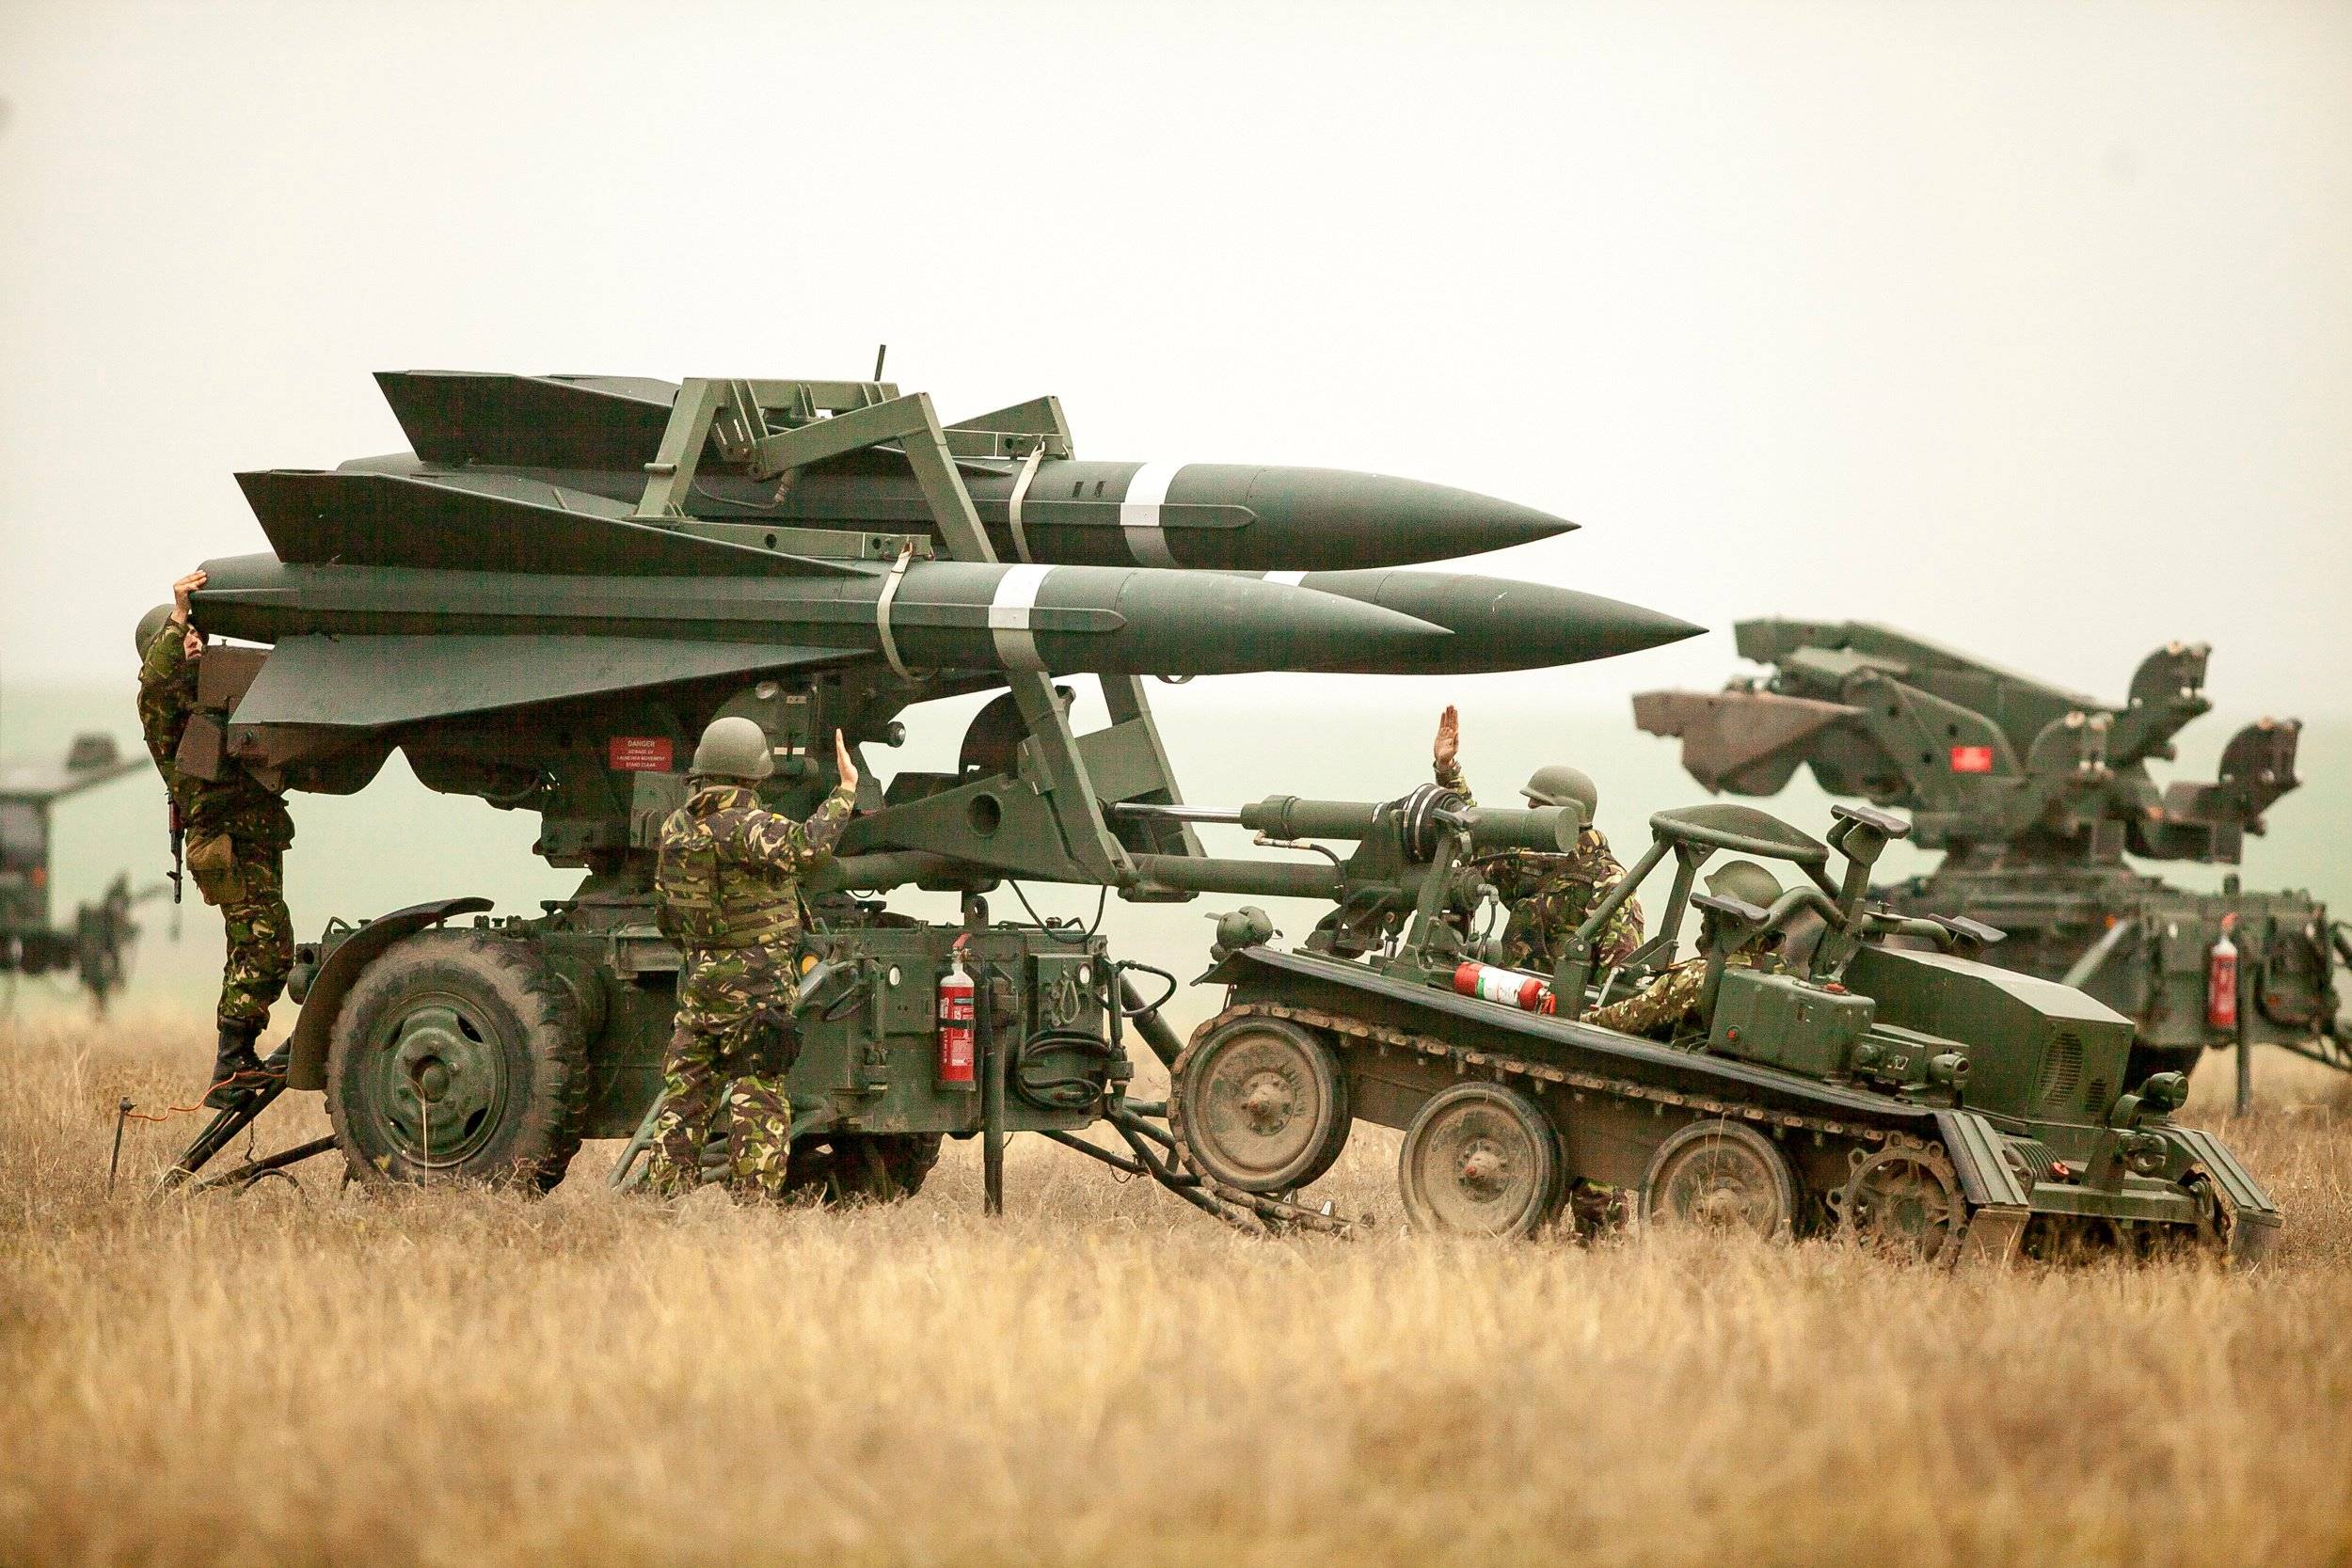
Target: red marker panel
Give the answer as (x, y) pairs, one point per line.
(638, 754)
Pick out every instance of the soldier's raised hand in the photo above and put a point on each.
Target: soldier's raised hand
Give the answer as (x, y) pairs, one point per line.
(182, 590)
(842, 762)
(1449, 742)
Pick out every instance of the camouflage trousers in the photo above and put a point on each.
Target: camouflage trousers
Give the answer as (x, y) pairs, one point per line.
(260, 939)
(1667, 1005)
(717, 1083)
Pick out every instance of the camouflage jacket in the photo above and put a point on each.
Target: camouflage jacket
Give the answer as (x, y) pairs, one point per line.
(237, 804)
(1549, 895)
(729, 869)
(1667, 1003)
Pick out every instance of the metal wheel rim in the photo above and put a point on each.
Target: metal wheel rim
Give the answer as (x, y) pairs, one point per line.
(1901, 1201)
(1720, 1183)
(437, 1085)
(1476, 1168)
(1258, 1105)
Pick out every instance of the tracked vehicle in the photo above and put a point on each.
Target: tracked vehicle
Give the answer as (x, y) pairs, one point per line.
(1917, 1099)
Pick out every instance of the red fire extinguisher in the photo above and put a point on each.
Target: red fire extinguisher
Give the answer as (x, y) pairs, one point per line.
(956, 1014)
(1506, 986)
(2221, 980)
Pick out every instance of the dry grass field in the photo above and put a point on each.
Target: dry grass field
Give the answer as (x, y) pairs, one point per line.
(467, 1378)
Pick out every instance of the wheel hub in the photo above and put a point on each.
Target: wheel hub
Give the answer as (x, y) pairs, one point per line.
(1268, 1104)
(1485, 1170)
(1724, 1204)
(442, 1084)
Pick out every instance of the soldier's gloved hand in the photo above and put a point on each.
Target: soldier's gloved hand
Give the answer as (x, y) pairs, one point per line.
(842, 761)
(192, 641)
(180, 591)
(1449, 742)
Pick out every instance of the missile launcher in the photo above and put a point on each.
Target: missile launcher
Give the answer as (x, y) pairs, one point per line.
(544, 602)
(2036, 795)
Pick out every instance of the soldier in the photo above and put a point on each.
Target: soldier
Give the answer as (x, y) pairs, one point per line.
(728, 891)
(1670, 1003)
(236, 830)
(1549, 895)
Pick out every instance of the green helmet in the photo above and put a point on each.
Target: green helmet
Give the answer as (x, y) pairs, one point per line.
(1744, 880)
(150, 624)
(1559, 786)
(733, 748)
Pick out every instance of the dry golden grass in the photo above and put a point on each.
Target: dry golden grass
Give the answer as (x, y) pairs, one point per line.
(466, 1378)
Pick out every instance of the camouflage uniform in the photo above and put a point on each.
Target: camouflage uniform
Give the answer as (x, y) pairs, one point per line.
(1667, 1003)
(728, 893)
(236, 830)
(1549, 895)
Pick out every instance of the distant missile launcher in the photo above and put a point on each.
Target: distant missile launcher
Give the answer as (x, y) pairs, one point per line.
(97, 946)
(2036, 795)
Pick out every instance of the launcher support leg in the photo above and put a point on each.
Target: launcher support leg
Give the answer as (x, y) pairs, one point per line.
(226, 1124)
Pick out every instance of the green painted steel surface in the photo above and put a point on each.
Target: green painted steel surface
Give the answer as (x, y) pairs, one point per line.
(2041, 798)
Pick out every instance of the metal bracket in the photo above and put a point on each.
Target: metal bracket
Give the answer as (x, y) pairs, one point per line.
(881, 613)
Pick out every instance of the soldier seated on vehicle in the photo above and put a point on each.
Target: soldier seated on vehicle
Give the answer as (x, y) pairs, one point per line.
(1548, 896)
(1669, 1005)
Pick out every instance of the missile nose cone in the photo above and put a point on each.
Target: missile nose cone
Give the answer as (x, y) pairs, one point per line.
(1319, 519)
(1499, 624)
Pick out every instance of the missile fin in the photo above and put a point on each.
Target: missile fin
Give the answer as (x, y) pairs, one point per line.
(377, 520)
(529, 421)
(370, 682)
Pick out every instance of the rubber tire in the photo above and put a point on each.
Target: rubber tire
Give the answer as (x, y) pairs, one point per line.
(861, 1167)
(1330, 1084)
(1548, 1186)
(1775, 1162)
(534, 1022)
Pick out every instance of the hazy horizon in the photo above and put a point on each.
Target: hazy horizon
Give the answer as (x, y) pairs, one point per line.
(2021, 327)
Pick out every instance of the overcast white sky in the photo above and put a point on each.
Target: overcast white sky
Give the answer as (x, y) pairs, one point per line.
(2021, 324)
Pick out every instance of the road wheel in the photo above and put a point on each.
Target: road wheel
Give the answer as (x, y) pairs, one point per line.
(1260, 1104)
(1720, 1176)
(1905, 1199)
(457, 1054)
(1480, 1160)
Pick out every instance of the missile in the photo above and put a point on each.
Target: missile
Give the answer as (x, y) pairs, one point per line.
(595, 436)
(938, 614)
(1498, 624)
(395, 598)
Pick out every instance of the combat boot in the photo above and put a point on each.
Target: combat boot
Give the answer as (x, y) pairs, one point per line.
(236, 1070)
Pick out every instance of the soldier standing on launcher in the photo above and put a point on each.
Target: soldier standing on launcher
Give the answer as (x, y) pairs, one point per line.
(728, 891)
(236, 830)
(1547, 894)
(1670, 1003)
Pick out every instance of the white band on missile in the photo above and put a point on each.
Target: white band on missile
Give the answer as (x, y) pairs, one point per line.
(1139, 513)
(882, 612)
(1008, 616)
(1295, 578)
(1021, 488)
